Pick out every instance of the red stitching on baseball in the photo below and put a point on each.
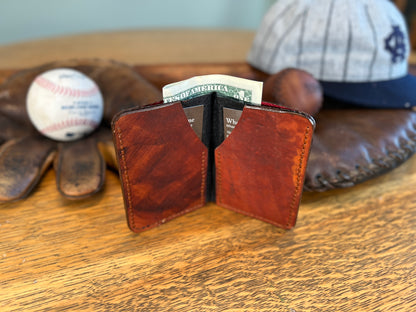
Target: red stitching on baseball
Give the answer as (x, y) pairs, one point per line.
(69, 123)
(65, 91)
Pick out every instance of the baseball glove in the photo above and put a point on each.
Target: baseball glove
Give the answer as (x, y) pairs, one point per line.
(79, 165)
(350, 144)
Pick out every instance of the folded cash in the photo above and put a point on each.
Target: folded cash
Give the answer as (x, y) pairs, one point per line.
(239, 88)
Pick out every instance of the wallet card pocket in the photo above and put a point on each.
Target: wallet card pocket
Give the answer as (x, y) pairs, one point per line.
(260, 168)
(162, 164)
(175, 157)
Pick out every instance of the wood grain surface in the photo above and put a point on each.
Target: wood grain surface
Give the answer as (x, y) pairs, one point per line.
(351, 249)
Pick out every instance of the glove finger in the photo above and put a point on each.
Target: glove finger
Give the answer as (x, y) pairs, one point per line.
(105, 143)
(13, 93)
(80, 168)
(22, 163)
(109, 154)
(123, 88)
(10, 129)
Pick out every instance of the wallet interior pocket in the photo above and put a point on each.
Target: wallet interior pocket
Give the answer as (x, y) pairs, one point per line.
(198, 111)
(213, 117)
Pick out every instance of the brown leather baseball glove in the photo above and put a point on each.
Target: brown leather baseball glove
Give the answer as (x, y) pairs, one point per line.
(79, 165)
(353, 145)
(350, 144)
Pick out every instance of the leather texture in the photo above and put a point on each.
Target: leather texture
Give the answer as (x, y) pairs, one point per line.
(351, 146)
(23, 173)
(79, 165)
(162, 164)
(76, 174)
(166, 170)
(260, 167)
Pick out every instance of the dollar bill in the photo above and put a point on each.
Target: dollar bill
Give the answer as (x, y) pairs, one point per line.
(239, 88)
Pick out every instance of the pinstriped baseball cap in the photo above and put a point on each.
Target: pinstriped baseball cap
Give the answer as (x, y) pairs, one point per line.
(357, 49)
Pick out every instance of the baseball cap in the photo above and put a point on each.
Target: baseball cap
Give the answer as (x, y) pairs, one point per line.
(357, 49)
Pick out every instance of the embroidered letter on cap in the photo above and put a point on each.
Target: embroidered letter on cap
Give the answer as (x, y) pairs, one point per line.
(395, 44)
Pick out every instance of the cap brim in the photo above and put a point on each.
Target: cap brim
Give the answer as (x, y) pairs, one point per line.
(396, 93)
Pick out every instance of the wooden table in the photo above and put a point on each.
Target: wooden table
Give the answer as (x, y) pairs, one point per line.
(351, 250)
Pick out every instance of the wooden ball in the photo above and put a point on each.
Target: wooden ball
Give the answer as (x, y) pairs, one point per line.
(295, 89)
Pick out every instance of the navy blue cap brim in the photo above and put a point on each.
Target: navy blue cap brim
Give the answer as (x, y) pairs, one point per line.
(396, 93)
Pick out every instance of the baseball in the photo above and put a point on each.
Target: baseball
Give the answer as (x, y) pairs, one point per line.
(64, 104)
(296, 89)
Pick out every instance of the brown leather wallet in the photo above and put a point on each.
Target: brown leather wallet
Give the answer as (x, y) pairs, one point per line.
(175, 157)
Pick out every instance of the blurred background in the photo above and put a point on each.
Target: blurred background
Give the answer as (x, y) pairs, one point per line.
(24, 20)
(408, 8)
(28, 20)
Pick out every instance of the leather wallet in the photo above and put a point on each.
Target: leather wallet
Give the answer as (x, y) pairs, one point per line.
(175, 157)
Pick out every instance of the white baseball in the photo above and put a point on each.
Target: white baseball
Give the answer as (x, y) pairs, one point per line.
(64, 104)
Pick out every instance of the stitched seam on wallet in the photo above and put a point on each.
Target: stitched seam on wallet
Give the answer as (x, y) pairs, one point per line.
(126, 178)
(292, 208)
(203, 175)
(218, 177)
(220, 202)
(202, 203)
(127, 181)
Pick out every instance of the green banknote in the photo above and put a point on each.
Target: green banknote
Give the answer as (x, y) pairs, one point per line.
(239, 88)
